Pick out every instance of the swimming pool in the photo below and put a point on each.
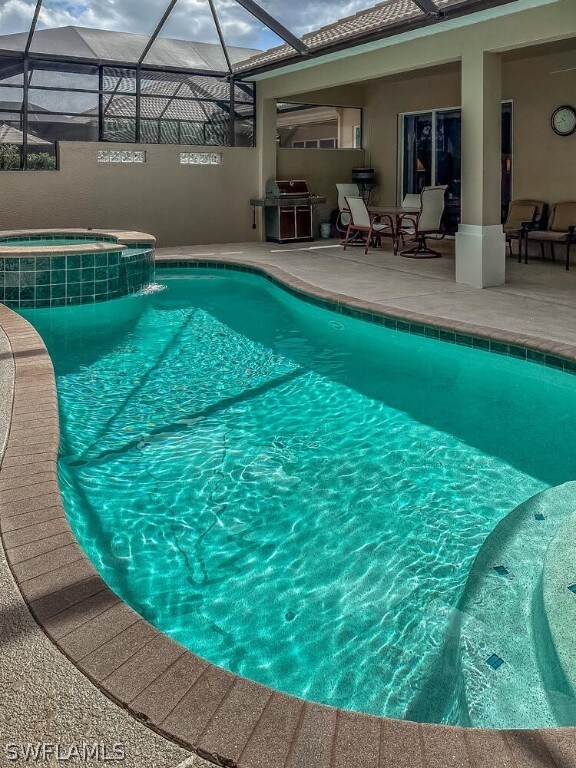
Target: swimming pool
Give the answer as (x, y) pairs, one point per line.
(53, 268)
(300, 496)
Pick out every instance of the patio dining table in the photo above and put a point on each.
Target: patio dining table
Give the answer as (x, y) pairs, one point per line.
(396, 214)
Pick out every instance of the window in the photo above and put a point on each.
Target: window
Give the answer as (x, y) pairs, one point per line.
(311, 126)
(315, 144)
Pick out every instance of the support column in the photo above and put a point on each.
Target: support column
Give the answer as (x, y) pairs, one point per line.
(480, 242)
(267, 153)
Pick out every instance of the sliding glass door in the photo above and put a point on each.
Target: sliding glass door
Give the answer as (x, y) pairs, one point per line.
(431, 154)
(506, 157)
(417, 161)
(447, 146)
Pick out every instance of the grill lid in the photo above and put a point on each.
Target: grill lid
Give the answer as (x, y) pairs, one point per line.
(298, 188)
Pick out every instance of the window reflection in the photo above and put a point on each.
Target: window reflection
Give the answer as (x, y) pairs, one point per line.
(432, 154)
(417, 152)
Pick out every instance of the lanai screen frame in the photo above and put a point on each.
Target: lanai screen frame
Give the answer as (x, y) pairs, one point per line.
(296, 50)
(27, 56)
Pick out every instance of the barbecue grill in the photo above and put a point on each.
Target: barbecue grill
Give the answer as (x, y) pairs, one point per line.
(288, 208)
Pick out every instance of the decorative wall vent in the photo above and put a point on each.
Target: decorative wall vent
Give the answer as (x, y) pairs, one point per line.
(121, 156)
(200, 158)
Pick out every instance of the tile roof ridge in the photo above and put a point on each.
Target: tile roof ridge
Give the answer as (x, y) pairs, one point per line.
(346, 19)
(310, 37)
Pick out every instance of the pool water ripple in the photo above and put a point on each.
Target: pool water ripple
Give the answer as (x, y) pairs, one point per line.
(298, 502)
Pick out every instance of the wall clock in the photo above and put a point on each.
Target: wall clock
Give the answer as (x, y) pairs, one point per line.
(564, 121)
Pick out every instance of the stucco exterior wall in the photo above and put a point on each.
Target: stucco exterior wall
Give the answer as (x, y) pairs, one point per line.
(544, 163)
(322, 168)
(385, 100)
(349, 119)
(179, 204)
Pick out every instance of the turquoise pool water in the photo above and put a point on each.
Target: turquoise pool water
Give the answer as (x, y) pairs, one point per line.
(296, 495)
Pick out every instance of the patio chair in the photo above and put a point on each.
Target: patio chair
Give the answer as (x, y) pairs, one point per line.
(366, 223)
(560, 231)
(522, 214)
(411, 201)
(350, 190)
(408, 221)
(428, 222)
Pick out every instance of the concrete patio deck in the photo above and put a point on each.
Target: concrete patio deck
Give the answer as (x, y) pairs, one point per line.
(45, 697)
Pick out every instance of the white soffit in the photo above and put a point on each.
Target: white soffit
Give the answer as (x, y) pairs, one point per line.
(403, 37)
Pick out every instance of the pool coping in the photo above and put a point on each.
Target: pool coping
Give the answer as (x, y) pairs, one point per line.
(13, 251)
(117, 236)
(224, 718)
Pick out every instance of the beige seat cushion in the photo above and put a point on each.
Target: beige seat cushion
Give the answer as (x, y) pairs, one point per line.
(517, 214)
(547, 236)
(563, 216)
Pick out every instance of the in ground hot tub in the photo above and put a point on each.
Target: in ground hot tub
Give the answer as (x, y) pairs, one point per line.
(54, 268)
